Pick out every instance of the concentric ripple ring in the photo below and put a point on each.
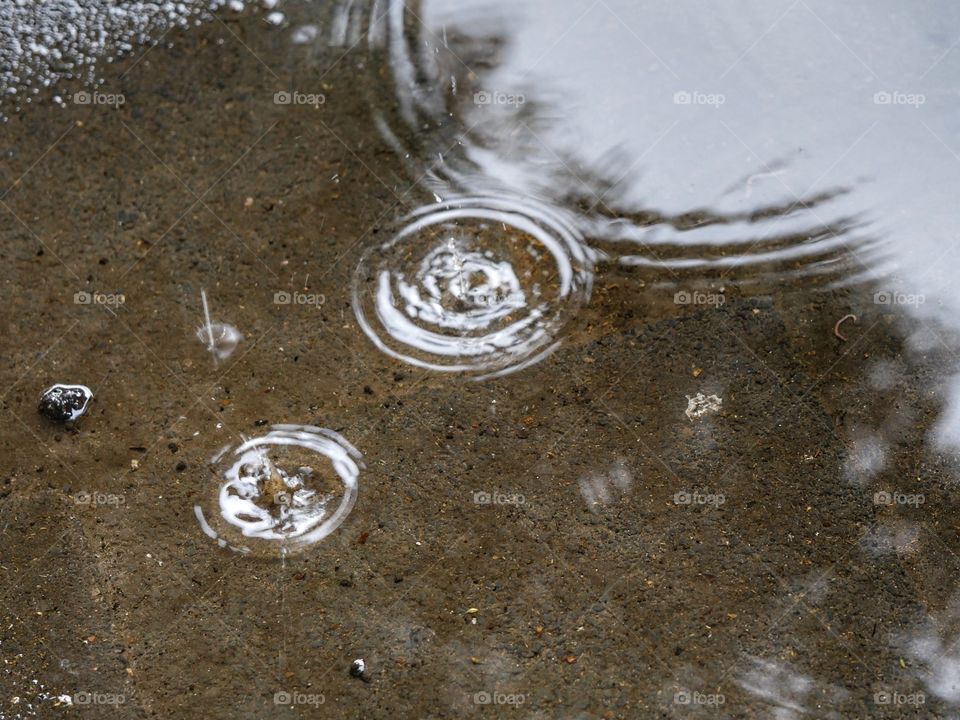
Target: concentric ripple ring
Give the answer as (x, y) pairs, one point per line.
(274, 497)
(478, 285)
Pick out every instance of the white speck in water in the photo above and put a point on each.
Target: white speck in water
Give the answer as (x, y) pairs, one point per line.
(275, 18)
(700, 405)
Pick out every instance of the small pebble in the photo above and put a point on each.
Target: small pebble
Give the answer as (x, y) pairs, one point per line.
(357, 668)
(65, 403)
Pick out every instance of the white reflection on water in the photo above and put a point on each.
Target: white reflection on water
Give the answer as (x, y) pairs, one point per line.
(822, 137)
(936, 647)
(788, 693)
(602, 488)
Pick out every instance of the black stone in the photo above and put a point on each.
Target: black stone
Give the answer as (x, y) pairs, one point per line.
(62, 403)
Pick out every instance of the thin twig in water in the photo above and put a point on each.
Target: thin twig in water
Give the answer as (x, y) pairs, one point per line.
(836, 328)
(209, 325)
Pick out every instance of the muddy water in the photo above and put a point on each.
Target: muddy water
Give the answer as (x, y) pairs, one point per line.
(559, 360)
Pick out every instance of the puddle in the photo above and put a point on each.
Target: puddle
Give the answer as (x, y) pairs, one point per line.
(645, 317)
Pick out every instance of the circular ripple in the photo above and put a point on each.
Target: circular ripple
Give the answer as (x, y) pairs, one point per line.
(475, 285)
(281, 492)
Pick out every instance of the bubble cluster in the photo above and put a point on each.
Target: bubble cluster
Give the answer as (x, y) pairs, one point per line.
(476, 285)
(273, 497)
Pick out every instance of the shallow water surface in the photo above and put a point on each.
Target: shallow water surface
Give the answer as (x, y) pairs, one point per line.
(559, 360)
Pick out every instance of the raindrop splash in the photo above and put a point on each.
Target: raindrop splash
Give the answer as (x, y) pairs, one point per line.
(478, 285)
(282, 492)
(220, 338)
